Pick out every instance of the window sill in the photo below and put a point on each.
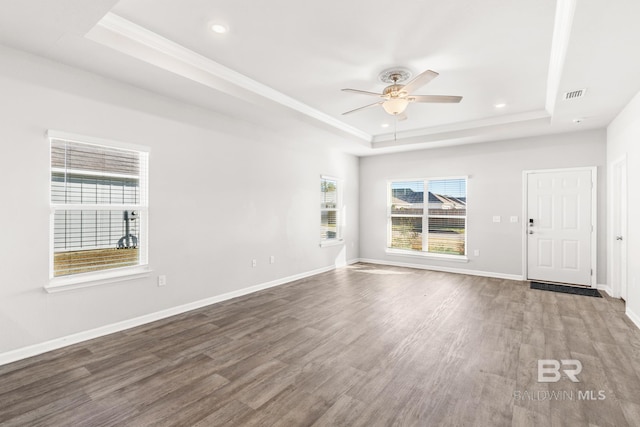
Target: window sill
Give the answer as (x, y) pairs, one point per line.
(85, 280)
(331, 242)
(417, 254)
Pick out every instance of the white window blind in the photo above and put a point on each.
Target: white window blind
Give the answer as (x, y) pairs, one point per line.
(441, 211)
(99, 207)
(329, 209)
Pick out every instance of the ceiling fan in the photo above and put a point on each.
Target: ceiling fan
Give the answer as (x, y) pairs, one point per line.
(396, 97)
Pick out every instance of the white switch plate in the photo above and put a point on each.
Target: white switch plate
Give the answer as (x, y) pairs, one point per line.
(272, 259)
(476, 252)
(254, 263)
(496, 218)
(514, 219)
(162, 280)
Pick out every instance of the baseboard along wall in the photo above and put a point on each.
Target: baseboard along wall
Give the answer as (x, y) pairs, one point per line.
(36, 349)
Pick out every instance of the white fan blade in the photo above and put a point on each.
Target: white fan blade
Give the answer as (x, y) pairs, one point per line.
(362, 92)
(362, 108)
(434, 98)
(420, 80)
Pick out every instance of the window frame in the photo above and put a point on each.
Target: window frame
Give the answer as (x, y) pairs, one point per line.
(87, 279)
(337, 240)
(425, 221)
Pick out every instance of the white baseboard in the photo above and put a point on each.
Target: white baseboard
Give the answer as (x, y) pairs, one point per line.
(634, 317)
(340, 264)
(445, 269)
(35, 349)
(605, 288)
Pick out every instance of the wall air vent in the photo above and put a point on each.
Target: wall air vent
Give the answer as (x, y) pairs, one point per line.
(579, 93)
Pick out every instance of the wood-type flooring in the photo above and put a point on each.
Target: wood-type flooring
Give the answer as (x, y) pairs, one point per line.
(363, 345)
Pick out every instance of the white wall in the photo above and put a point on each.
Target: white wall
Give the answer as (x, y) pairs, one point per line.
(623, 138)
(222, 192)
(494, 188)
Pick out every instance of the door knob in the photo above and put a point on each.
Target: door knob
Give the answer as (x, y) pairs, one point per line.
(618, 237)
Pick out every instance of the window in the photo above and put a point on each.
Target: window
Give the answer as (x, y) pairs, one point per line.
(329, 210)
(99, 206)
(444, 217)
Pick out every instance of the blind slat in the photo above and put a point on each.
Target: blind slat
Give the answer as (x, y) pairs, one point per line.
(445, 219)
(328, 209)
(90, 238)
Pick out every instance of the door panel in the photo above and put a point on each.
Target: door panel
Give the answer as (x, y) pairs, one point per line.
(570, 249)
(560, 226)
(545, 253)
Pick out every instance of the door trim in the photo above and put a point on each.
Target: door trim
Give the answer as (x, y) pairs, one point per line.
(616, 289)
(594, 218)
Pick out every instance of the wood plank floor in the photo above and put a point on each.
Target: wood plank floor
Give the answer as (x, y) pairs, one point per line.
(363, 345)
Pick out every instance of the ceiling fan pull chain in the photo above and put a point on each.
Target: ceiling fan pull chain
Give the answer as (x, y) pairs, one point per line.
(395, 128)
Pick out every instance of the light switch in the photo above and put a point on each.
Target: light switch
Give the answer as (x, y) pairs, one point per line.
(496, 218)
(514, 219)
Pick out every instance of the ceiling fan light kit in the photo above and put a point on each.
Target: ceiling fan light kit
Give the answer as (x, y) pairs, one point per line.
(396, 97)
(395, 106)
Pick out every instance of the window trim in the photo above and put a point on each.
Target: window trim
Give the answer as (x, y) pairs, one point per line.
(83, 280)
(425, 216)
(338, 240)
(422, 254)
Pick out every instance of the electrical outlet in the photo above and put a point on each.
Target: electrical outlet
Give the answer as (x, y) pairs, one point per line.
(496, 218)
(162, 280)
(272, 259)
(514, 219)
(476, 252)
(254, 263)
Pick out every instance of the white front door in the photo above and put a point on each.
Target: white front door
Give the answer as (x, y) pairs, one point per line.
(559, 226)
(619, 228)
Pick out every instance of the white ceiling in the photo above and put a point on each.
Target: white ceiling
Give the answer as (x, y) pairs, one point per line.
(287, 57)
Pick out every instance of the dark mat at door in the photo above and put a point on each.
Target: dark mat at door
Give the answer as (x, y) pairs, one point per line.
(566, 289)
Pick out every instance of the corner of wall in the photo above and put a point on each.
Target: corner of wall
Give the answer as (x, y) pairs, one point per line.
(606, 288)
(633, 317)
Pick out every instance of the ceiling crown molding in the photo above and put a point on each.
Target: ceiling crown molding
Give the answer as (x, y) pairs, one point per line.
(124, 36)
(138, 42)
(565, 11)
(481, 127)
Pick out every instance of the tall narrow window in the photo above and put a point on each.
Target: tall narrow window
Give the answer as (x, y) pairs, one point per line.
(329, 210)
(432, 221)
(99, 206)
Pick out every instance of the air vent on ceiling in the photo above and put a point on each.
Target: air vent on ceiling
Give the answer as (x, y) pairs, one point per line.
(579, 93)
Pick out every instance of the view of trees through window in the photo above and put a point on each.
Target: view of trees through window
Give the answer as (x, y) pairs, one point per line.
(443, 216)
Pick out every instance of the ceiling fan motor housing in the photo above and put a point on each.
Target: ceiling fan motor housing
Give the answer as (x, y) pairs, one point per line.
(394, 91)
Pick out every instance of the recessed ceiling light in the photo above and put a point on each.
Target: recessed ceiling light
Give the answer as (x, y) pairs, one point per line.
(385, 125)
(501, 105)
(219, 28)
